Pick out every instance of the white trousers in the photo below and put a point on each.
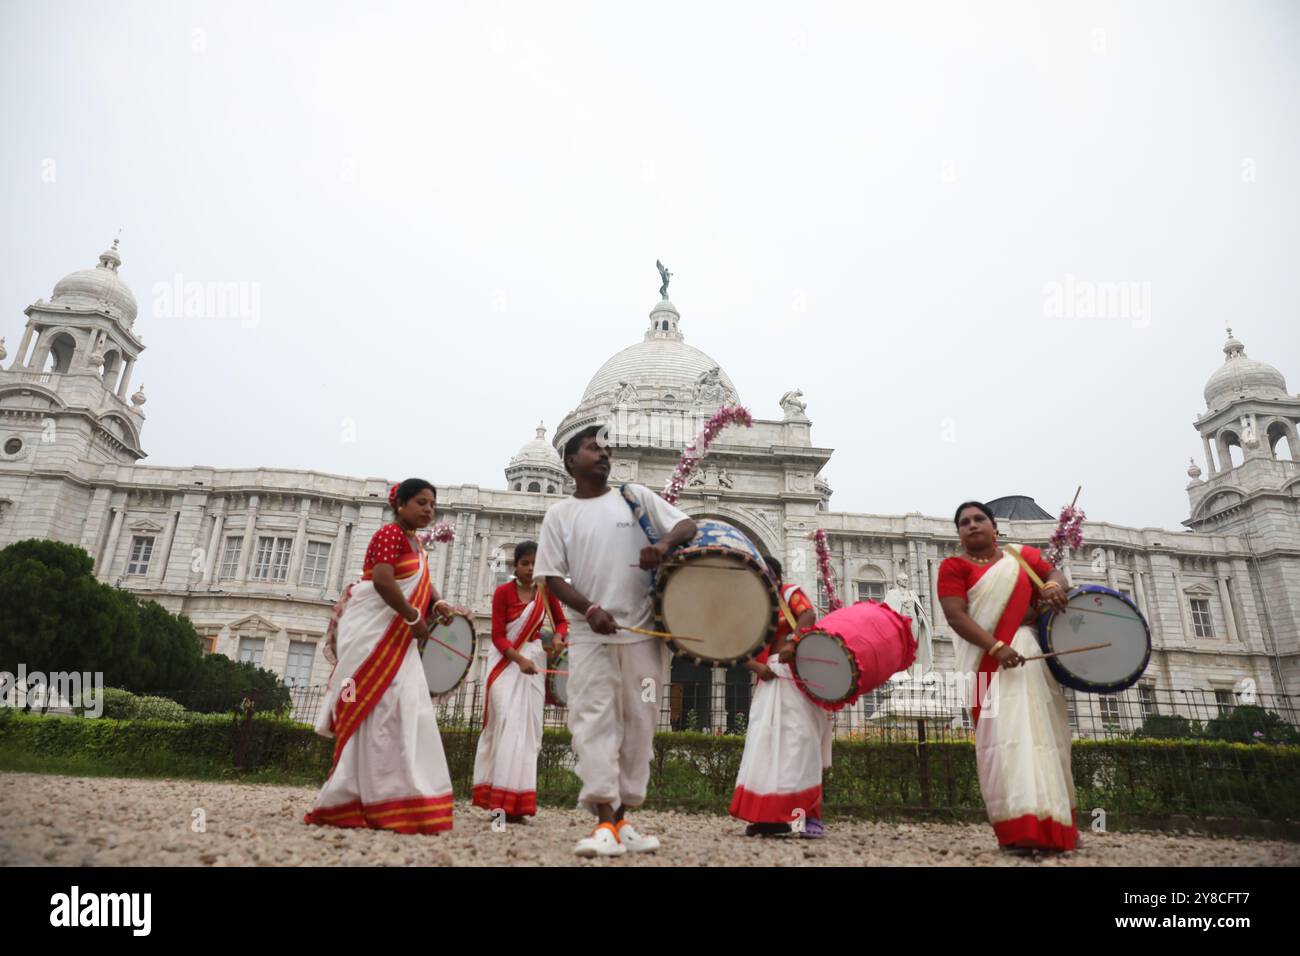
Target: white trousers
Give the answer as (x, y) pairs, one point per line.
(614, 701)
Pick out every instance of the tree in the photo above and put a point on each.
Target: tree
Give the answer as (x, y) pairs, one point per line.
(1249, 724)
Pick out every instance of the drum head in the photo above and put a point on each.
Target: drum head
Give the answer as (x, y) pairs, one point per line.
(827, 670)
(1097, 615)
(444, 668)
(557, 685)
(720, 596)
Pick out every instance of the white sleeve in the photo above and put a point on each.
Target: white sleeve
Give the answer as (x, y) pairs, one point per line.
(552, 559)
(663, 516)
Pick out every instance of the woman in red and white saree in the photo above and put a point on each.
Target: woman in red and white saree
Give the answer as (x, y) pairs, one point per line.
(505, 765)
(389, 770)
(787, 738)
(1022, 735)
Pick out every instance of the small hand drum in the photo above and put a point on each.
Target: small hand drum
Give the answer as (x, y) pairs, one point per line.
(1096, 615)
(716, 588)
(446, 663)
(557, 685)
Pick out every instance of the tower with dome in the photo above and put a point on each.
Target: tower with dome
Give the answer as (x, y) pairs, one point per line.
(256, 556)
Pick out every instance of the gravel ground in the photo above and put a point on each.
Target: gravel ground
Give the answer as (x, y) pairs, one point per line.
(95, 821)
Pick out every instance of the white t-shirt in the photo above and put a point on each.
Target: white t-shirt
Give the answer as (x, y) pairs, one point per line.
(595, 543)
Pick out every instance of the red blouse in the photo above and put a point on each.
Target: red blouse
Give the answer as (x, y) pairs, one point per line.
(958, 575)
(506, 606)
(798, 603)
(389, 545)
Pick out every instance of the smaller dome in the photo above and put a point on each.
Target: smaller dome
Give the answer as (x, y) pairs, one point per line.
(1242, 377)
(538, 452)
(138, 398)
(98, 288)
(1193, 469)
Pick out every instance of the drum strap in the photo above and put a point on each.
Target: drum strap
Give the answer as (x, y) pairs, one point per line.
(785, 611)
(546, 604)
(1012, 550)
(639, 513)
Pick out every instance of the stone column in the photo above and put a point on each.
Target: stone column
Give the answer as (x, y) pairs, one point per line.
(215, 543)
(250, 540)
(126, 379)
(1209, 459)
(1221, 575)
(1187, 630)
(297, 556)
(338, 552)
(159, 570)
(110, 549)
(20, 360)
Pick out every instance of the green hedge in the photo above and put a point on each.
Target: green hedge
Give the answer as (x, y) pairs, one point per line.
(696, 771)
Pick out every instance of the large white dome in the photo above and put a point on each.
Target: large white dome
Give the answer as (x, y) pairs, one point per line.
(1242, 377)
(98, 288)
(663, 363)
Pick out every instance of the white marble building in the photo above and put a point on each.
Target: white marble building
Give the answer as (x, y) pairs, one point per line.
(255, 557)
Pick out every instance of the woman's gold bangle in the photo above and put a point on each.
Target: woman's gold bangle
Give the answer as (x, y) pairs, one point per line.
(996, 646)
(1051, 584)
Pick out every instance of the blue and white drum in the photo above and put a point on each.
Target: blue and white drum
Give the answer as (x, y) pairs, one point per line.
(717, 588)
(1096, 615)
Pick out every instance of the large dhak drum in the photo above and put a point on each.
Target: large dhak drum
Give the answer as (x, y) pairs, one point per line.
(717, 588)
(1096, 615)
(448, 654)
(557, 681)
(851, 652)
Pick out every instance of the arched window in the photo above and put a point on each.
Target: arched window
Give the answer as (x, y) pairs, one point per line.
(1230, 453)
(550, 489)
(665, 325)
(62, 347)
(519, 486)
(1279, 442)
(534, 486)
(111, 366)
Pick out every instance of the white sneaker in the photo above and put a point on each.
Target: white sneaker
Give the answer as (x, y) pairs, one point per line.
(634, 841)
(603, 841)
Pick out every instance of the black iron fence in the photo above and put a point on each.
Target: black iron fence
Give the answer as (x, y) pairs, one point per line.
(901, 714)
(721, 707)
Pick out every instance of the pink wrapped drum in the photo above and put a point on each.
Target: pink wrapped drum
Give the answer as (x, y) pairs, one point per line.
(851, 652)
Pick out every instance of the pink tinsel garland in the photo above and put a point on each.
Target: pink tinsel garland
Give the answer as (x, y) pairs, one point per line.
(699, 446)
(1067, 536)
(441, 532)
(824, 566)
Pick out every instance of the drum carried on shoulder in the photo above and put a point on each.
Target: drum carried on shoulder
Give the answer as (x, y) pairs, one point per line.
(718, 591)
(1096, 615)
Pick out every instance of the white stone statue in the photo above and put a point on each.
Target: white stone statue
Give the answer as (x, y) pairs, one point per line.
(724, 478)
(626, 394)
(907, 602)
(794, 409)
(709, 387)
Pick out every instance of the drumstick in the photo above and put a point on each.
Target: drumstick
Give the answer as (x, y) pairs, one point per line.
(450, 648)
(1093, 610)
(819, 660)
(541, 670)
(664, 634)
(800, 680)
(1074, 650)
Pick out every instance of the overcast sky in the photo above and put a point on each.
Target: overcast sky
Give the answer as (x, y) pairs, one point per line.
(449, 215)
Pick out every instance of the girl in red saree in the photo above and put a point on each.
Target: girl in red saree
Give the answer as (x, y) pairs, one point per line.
(505, 765)
(389, 770)
(1022, 735)
(787, 738)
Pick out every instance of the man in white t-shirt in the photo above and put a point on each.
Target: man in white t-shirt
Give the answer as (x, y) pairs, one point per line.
(596, 541)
